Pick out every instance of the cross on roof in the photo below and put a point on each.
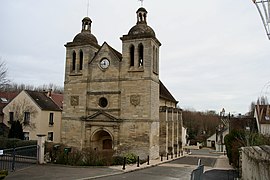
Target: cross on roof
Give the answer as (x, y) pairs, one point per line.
(87, 8)
(141, 2)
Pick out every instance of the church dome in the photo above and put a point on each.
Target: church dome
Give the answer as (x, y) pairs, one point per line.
(142, 30)
(85, 36)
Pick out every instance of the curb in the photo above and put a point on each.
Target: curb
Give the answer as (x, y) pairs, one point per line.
(131, 170)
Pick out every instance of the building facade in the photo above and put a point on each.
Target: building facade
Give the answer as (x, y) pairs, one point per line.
(37, 112)
(262, 115)
(115, 101)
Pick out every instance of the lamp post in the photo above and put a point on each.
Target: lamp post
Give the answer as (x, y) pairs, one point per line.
(263, 7)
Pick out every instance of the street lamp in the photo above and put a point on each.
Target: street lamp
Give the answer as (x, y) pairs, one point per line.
(263, 7)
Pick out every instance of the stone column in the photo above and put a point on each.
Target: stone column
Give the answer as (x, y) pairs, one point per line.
(172, 131)
(167, 131)
(177, 133)
(41, 148)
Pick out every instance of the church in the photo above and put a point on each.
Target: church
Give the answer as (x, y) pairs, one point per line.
(115, 101)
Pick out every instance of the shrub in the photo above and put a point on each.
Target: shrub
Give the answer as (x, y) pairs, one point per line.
(6, 143)
(3, 174)
(131, 158)
(117, 160)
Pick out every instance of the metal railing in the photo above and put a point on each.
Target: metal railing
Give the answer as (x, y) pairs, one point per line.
(17, 158)
(197, 173)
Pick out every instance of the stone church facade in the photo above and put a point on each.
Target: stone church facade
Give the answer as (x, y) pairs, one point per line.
(115, 101)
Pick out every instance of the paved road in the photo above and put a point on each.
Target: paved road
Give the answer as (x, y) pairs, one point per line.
(177, 169)
(55, 172)
(161, 172)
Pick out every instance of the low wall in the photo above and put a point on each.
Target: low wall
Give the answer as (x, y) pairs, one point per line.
(255, 162)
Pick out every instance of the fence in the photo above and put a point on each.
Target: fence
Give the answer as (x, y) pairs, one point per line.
(197, 173)
(17, 158)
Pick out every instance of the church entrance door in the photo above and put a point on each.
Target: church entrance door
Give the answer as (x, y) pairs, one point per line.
(102, 140)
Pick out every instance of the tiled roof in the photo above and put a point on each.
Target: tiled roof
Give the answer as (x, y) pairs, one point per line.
(5, 98)
(58, 99)
(43, 101)
(241, 123)
(164, 93)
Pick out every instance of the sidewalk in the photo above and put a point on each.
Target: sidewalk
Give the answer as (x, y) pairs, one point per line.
(223, 163)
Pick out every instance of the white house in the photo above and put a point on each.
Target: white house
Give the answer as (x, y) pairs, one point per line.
(38, 113)
(262, 115)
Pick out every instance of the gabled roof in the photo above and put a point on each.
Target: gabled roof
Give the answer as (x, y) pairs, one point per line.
(115, 52)
(118, 54)
(43, 101)
(241, 123)
(5, 98)
(263, 113)
(164, 93)
(58, 99)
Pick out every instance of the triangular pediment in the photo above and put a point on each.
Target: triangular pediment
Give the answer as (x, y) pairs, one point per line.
(101, 116)
(106, 51)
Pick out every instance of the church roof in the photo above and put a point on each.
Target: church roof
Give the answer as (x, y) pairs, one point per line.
(85, 37)
(118, 54)
(43, 101)
(164, 93)
(141, 29)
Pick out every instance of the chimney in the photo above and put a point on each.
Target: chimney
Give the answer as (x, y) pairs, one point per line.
(49, 94)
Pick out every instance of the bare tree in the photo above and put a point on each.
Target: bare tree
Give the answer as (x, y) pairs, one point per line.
(24, 111)
(14, 87)
(4, 81)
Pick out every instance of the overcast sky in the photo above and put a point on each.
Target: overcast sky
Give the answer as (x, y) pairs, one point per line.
(214, 54)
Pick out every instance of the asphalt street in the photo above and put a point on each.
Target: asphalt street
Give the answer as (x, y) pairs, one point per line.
(177, 169)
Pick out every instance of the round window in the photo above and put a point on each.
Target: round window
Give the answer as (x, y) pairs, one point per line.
(103, 102)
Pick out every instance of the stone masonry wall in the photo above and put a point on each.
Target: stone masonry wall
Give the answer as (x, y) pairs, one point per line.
(255, 162)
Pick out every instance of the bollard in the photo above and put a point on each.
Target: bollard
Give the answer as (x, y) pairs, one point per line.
(172, 155)
(124, 163)
(148, 160)
(161, 157)
(176, 154)
(138, 161)
(167, 156)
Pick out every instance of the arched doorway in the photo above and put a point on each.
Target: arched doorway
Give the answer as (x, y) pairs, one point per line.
(102, 140)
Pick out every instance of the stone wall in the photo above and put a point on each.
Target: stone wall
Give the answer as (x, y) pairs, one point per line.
(255, 163)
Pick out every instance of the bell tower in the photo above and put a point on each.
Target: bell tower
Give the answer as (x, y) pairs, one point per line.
(140, 87)
(79, 52)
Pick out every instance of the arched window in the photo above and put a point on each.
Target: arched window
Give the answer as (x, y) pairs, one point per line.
(140, 17)
(154, 59)
(140, 55)
(131, 54)
(73, 61)
(81, 60)
(157, 60)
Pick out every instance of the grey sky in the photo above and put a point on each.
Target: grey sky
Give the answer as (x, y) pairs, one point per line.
(214, 54)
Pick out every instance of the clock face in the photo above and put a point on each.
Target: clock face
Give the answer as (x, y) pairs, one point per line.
(104, 63)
